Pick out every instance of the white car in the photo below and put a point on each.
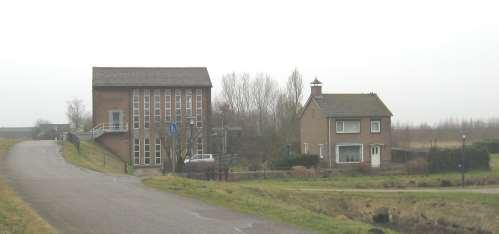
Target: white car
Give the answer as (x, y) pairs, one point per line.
(200, 158)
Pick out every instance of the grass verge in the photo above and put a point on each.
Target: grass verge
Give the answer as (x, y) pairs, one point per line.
(15, 215)
(265, 202)
(346, 212)
(94, 157)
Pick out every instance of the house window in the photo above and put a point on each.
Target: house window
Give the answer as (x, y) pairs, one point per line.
(157, 107)
(305, 148)
(157, 151)
(147, 114)
(199, 108)
(188, 98)
(347, 126)
(178, 106)
(199, 145)
(349, 153)
(136, 109)
(136, 151)
(147, 151)
(321, 150)
(375, 126)
(168, 105)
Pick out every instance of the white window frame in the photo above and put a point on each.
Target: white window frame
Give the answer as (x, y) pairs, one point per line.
(136, 151)
(305, 148)
(321, 150)
(178, 106)
(136, 109)
(168, 105)
(147, 151)
(147, 109)
(379, 126)
(157, 151)
(342, 123)
(199, 108)
(349, 144)
(188, 102)
(157, 106)
(199, 145)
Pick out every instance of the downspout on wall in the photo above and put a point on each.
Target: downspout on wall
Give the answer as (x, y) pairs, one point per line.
(329, 142)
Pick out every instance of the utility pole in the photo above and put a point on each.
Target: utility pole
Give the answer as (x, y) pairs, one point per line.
(189, 150)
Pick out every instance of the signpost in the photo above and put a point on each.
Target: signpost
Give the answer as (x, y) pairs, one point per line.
(173, 132)
(173, 129)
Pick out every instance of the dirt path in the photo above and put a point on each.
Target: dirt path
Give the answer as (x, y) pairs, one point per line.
(76, 200)
(443, 190)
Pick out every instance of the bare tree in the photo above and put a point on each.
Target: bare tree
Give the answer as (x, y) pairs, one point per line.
(75, 112)
(295, 89)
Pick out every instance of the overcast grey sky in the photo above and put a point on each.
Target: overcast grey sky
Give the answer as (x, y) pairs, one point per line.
(428, 60)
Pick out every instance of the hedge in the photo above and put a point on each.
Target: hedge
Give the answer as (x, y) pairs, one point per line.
(492, 145)
(440, 160)
(306, 160)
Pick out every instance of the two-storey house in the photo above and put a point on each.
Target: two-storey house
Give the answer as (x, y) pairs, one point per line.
(345, 129)
(134, 108)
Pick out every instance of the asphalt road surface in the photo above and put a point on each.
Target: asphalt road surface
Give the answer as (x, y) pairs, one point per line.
(77, 200)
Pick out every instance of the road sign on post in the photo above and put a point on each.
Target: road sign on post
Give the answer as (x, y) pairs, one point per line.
(173, 129)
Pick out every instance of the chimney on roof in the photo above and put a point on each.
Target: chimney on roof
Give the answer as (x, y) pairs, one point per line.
(316, 88)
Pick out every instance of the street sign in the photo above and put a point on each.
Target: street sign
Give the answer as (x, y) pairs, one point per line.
(173, 129)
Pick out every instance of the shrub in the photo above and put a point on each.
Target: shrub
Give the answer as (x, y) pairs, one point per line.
(306, 160)
(449, 159)
(364, 167)
(492, 145)
(417, 166)
(255, 167)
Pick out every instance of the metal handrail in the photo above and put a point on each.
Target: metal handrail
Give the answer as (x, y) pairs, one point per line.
(102, 128)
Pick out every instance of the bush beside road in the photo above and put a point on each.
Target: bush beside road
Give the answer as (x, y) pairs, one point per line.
(15, 215)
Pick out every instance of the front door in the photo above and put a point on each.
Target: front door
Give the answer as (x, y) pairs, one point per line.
(375, 155)
(116, 119)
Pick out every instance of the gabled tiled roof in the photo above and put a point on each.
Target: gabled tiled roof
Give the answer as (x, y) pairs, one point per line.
(352, 105)
(150, 76)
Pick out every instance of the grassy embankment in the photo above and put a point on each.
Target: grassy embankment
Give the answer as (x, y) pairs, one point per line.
(15, 215)
(351, 212)
(94, 157)
(265, 202)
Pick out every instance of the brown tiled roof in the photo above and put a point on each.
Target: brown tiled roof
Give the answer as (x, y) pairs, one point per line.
(352, 105)
(151, 76)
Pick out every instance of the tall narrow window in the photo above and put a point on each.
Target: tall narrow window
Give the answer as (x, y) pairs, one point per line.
(147, 113)
(136, 151)
(178, 106)
(199, 108)
(305, 148)
(157, 107)
(147, 151)
(157, 151)
(168, 105)
(136, 109)
(199, 145)
(188, 106)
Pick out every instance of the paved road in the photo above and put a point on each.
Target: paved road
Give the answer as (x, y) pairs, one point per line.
(76, 200)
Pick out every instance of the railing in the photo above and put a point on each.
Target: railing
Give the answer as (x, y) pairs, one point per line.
(103, 128)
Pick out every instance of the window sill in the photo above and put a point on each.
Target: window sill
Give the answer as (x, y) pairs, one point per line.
(347, 162)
